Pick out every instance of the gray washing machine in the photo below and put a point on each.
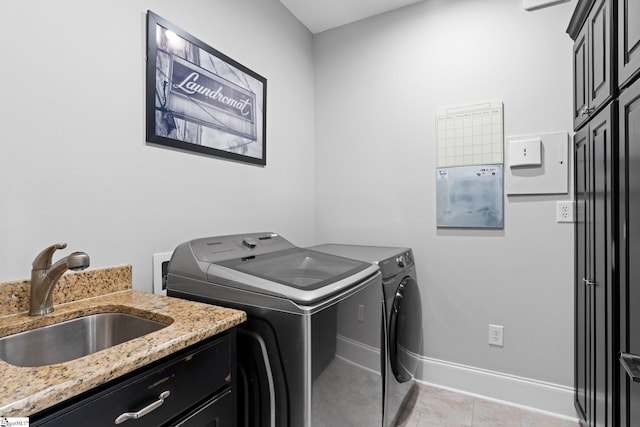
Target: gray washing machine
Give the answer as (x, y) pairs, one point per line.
(403, 318)
(311, 351)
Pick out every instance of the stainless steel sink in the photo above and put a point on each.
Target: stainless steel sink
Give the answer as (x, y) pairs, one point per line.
(72, 339)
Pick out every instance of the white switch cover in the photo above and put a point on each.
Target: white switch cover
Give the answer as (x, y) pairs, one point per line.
(525, 152)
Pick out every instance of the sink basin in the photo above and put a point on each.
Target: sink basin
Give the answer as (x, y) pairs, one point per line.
(72, 339)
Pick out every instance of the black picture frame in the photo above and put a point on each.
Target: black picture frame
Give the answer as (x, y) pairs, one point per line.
(200, 100)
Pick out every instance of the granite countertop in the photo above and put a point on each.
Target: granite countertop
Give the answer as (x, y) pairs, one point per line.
(26, 391)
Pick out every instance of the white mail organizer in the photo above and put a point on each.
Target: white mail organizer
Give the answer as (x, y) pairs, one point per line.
(537, 164)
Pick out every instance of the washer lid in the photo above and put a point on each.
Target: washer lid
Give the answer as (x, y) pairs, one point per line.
(266, 263)
(298, 268)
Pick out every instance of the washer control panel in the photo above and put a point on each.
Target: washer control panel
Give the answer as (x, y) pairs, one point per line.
(249, 242)
(223, 248)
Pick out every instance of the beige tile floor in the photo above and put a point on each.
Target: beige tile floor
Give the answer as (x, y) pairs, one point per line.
(434, 407)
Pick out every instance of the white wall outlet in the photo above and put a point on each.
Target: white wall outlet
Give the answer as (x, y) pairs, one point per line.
(564, 211)
(496, 335)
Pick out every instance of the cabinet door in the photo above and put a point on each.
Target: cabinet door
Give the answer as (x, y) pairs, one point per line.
(600, 51)
(629, 126)
(583, 219)
(628, 40)
(602, 286)
(594, 340)
(580, 79)
(593, 86)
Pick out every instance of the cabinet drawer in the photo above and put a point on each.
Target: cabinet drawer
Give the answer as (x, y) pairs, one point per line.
(189, 378)
(217, 412)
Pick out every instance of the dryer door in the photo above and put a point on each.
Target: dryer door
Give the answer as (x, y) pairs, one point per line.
(405, 330)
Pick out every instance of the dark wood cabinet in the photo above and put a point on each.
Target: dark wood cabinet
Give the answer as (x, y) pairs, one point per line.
(628, 41)
(191, 388)
(595, 287)
(629, 254)
(593, 53)
(593, 28)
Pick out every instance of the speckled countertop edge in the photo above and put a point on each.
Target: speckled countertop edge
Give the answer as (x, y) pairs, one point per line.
(26, 391)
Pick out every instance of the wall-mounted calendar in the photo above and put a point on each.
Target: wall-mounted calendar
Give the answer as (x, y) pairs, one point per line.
(470, 135)
(469, 174)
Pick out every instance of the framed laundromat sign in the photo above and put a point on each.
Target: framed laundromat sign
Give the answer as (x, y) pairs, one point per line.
(200, 100)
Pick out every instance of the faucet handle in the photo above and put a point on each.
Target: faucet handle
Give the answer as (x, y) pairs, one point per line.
(42, 261)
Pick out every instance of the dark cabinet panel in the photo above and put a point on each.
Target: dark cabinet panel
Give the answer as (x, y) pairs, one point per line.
(628, 40)
(595, 287)
(607, 194)
(593, 83)
(216, 412)
(600, 51)
(580, 79)
(583, 220)
(629, 199)
(154, 396)
(603, 289)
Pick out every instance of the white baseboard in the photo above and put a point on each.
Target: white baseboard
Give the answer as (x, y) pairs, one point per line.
(552, 399)
(548, 398)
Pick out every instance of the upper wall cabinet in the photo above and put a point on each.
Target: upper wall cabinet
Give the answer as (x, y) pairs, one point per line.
(580, 79)
(628, 40)
(593, 52)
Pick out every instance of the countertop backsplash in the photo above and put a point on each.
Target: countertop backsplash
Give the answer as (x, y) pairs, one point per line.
(72, 286)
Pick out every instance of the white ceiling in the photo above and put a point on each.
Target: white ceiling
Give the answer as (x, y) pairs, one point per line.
(321, 15)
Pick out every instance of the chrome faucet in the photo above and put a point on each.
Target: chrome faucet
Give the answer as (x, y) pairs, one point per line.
(44, 276)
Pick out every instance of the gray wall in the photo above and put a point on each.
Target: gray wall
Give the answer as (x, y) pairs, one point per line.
(378, 84)
(350, 140)
(74, 165)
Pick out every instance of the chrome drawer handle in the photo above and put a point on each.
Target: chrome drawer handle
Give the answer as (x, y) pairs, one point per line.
(144, 411)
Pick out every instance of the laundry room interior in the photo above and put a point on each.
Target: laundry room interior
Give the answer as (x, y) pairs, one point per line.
(351, 158)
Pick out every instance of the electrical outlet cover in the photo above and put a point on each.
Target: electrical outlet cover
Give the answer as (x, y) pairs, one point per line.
(564, 211)
(496, 335)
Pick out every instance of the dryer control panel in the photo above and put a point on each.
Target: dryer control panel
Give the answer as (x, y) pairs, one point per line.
(405, 259)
